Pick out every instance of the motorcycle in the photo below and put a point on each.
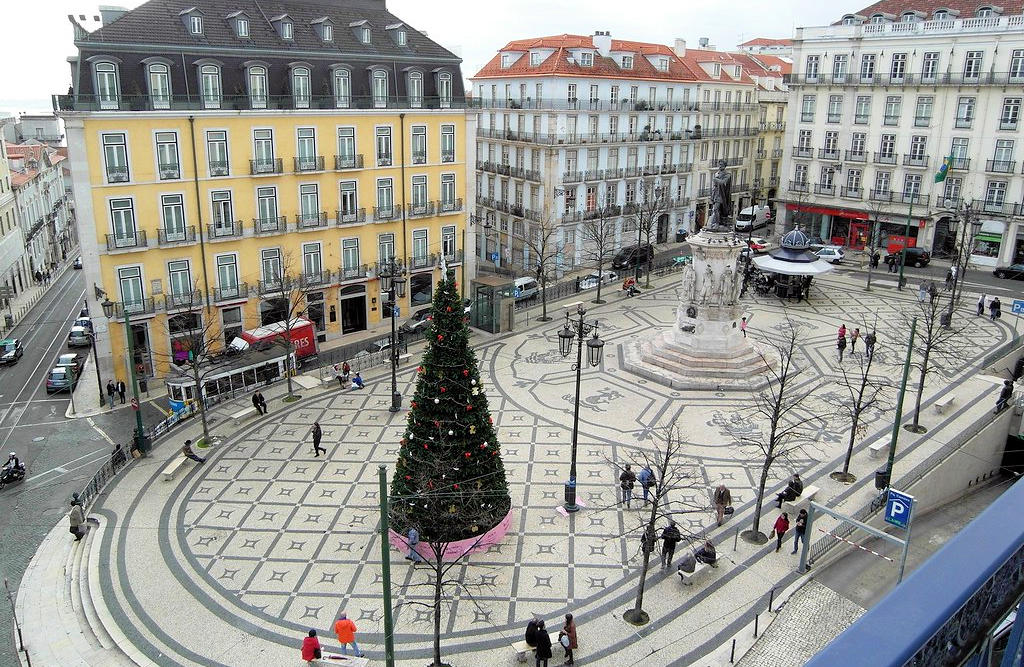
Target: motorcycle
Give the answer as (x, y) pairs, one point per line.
(11, 475)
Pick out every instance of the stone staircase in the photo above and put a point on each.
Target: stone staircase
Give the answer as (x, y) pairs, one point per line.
(663, 361)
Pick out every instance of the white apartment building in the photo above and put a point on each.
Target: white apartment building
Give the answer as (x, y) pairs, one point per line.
(569, 124)
(880, 99)
(37, 179)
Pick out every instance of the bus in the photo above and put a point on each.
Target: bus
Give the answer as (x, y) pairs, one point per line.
(234, 374)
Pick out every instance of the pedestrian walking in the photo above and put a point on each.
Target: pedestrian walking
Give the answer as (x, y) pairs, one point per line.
(922, 291)
(853, 340)
(949, 279)
(875, 257)
(626, 481)
(933, 291)
(256, 403)
(779, 530)
(670, 537)
(743, 327)
(981, 305)
(413, 537)
(77, 518)
(567, 638)
(317, 434)
(543, 650)
(311, 647)
(869, 344)
(647, 540)
(799, 529)
(186, 450)
(1005, 394)
(357, 381)
(842, 331)
(995, 309)
(38, 276)
(841, 345)
(723, 500)
(345, 629)
(647, 480)
(110, 393)
(121, 389)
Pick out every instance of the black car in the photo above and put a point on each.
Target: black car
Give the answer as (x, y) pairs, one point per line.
(77, 264)
(631, 256)
(10, 351)
(917, 257)
(1014, 271)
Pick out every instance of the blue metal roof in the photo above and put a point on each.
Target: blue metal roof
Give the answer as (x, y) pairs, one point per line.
(891, 632)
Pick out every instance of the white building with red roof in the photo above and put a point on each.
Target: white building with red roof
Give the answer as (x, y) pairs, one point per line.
(571, 126)
(766, 46)
(884, 98)
(44, 216)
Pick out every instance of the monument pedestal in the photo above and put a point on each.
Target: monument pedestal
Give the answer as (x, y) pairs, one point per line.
(705, 349)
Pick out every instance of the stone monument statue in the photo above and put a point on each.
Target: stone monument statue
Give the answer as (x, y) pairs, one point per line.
(707, 283)
(689, 282)
(720, 218)
(725, 287)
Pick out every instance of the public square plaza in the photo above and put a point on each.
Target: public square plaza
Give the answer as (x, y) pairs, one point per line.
(231, 562)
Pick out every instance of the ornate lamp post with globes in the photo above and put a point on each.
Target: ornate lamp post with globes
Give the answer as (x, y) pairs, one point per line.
(392, 282)
(577, 330)
(139, 439)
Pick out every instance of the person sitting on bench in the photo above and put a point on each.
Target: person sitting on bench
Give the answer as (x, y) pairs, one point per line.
(793, 490)
(357, 382)
(706, 554)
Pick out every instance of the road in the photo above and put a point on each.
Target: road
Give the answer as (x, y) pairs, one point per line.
(61, 455)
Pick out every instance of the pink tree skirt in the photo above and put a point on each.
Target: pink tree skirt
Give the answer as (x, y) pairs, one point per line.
(456, 550)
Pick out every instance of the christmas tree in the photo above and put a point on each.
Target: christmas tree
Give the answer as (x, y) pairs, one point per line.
(449, 481)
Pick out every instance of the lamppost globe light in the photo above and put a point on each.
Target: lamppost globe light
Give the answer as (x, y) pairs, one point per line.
(594, 347)
(108, 308)
(565, 337)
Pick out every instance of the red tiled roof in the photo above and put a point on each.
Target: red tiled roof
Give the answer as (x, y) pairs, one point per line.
(967, 8)
(694, 58)
(766, 41)
(20, 178)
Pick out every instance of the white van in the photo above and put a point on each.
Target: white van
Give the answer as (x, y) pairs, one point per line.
(751, 218)
(526, 288)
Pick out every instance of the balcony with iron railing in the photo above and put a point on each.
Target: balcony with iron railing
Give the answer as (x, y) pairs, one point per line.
(308, 280)
(851, 193)
(825, 189)
(231, 292)
(922, 121)
(262, 167)
(136, 307)
(219, 168)
(243, 102)
(184, 300)
(308, 163)
(1000, 166)
(885, 158)
(528, 174)
(828, 153)
(572, 177)
(419, 157)
(312, 220)
(169, 171)
(384, 213)
(803, 152)
(963, 122)
(915, 198)
(1007, 123)
(117, 174)
(915, 160)
(773, 181)
(265, 226)
(421, 209)
(218, 231)
(806, 116)
(880, 195)
(960, 164)
(273, 286)
(342, 162)
(446, 206)
(588, 138)
(799, 186)
(350, 216)
(891, 120)
(383, 160)
(128, 241)
(447, 156)
(855, 156)
(861, 119)
(760, 155)
(354, 272)
(420, 262)
(997, 207)
(176, 236)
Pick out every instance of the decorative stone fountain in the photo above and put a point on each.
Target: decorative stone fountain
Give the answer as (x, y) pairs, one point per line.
(706, 349)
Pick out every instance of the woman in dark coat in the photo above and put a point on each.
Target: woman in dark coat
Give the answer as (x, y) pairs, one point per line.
(569, 630)
(543, 646)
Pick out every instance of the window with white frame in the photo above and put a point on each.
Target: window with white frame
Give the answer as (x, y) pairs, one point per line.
(242, 27)
(217, 152)
(312, 261)
(107, 88)
(1016, 70)
(883, 181)
(380, 89)
(263, 145)
(385, 247)
(383, 146)
(309, 205)
(419, 144)
(227, 276)
(209, 86)
(627, 62)
(930, 66)
(898, 67)
(448, 199)
(266, 208)
(159, 86)
(350, 257)
(300, 87)
(172, 214)
(840, 66)
(342, 88)
(223, 213)
(420, 246)
(129, 279)
(415, 83)
(448, 241)
(168, 167)
(811, 68)
(346, 148)
(305, 149)
(586, 59)
(122, 221)
(115, 157)
(270, 267)
(1010, 113)
(444, 90)
(349, 201)
(419, 195)
(385, 199)
(447, 143)
(964, 112)
(536, 57)
(287, 31)
(195, 24)
(923, 112)
(807, 108)
(179, 278)
(972, 64)
(867, 67)
(258, 87)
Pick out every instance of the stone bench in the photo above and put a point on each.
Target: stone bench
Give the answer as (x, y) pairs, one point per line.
(878, 449)
(243, 414)
(803, 501)
(339, 659)
(524, 650)
(172, 468)
(943, 404)
(699, 569)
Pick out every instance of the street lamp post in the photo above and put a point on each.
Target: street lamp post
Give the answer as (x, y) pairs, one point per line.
(96, 360)
(139, 437)
(749, 256)
(577, 330)
(968, 219)
(392, 282)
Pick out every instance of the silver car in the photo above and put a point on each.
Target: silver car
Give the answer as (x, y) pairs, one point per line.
(79, 337)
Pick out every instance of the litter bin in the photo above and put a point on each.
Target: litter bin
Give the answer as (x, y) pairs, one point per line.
(680, 235)
(881, 479)
(8, 320)
(396, 400)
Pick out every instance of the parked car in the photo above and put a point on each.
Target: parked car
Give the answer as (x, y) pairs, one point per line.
(419, 321)
(77, 264)
(79, 337)
(85, 322)
(590, 281)
(1013, 271)
(831, 253)
(633, 255)
(59, 379)
(752, 217)
(759, 245)
(526, 288)
(916, 257)
(70, 360)
(10, 351)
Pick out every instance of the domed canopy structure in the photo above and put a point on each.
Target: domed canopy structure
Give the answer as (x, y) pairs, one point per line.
(794, 248)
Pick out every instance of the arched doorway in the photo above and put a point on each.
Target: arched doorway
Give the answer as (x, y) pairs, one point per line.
(662, 228)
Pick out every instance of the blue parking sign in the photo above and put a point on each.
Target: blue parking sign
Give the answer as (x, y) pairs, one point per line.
(898, 508)
(494, 257)
(1018, 306)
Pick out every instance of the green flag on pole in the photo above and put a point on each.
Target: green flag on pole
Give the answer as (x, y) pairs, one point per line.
(947, 163)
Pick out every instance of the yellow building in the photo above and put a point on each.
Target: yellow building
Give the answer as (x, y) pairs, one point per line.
(257, 153)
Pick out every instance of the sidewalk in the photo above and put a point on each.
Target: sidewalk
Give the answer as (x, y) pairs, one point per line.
(28, 297)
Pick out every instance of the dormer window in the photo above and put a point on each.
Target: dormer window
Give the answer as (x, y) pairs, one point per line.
(878, 18)
(286, 30)
(717, 69)
(849, 20)
(941, 15)
(985, 12)
(587, 59)
(242, 28)
(662, 64)
(627, 62)
(737, 71)
(364, 35)
(506, 60)
(400, 38)
(535, 58)
(195, 25)
(909, 17)
(327, 32)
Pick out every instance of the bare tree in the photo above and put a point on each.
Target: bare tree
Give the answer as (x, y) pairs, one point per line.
(545, 247)
(672, 477)
(784, 420)
(651, 203)
(286, 292)
(876, 209)
(599, 241)
(863, 393)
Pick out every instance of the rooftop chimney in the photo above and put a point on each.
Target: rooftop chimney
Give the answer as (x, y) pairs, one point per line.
(703, 41)
(680, 48)
(602, 42)
(111, 13)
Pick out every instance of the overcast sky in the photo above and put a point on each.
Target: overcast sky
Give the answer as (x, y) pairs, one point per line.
(36, 38)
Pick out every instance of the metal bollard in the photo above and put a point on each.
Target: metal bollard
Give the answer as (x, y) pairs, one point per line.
(732, 653)
(735, 538)
(771, 600)
(756, 618)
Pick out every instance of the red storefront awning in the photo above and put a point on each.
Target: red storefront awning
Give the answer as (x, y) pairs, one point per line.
(837, 212)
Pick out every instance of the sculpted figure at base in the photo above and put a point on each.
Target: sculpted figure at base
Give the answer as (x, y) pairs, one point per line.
(725, 287)
(707, 285)
(689, 282)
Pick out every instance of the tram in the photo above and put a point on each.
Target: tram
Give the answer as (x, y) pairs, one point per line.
(234, 375)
